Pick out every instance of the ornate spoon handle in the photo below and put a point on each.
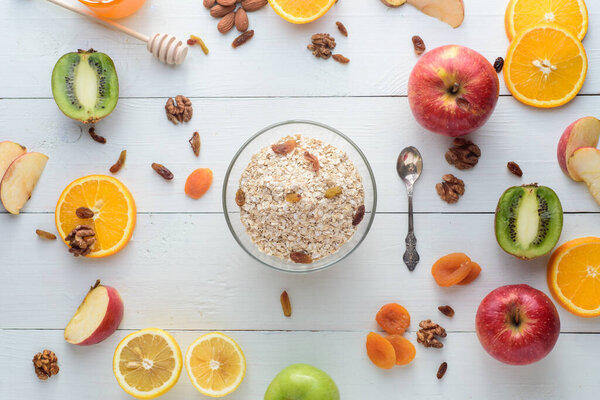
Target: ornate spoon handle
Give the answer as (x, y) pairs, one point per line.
(411, 257)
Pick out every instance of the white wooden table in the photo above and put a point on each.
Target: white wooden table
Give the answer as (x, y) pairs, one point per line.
(183, 271)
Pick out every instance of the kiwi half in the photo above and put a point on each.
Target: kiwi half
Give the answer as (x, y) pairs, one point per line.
(85, 85)
(529, 221)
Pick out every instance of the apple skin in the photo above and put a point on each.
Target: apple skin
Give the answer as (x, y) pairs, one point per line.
(453, 90)
(302, 382)
(517, 324)
(112, 317)
(585, 132)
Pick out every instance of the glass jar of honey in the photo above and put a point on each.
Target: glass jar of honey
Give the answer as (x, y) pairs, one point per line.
(113, 8)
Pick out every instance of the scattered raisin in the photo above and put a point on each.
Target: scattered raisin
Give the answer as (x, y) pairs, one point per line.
(195, 143)
(447, 311)
(514, 168)
(243, 38)
(498, 64)
(301, 257)
(284, 148)
(313, 160)
(418, 44)
(340, 58)
(342, 28)
(162, 171)
(333, 191)
(359, 215)
(240, 197)
(442, 370)
(286, 306)
(84, 213)
(191, 42)
(293, 198)
(97, 138)
(45, 235)
(120, 162)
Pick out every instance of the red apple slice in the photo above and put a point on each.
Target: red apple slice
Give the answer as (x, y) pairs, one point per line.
(584, 132)
(9, 151)
(98, 316)
(585, 162)
(451, 12)
(20, 179)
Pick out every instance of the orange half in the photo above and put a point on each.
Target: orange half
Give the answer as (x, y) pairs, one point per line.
(574, 276)
(570, 14)
(301, 11)
(545, 66)
(113, 207)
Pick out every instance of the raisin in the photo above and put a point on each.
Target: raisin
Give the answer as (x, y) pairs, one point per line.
(447, 311)
(120, 162)
(97, 138)
(418, 44)
(514, 168)
(191, 42)
(340, 58)
(45, 235)
(286, 306)
(359, 215)
(243, 38)
(293, 198)
(442, 370)
(84, 213)
(313, 160)
(240, 197)
(498, 64)
(284, 148)
(301, 257)
(162, 171)
(342, 28)
(333, 191)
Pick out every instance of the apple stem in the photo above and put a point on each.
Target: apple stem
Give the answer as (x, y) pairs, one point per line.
(455, 88)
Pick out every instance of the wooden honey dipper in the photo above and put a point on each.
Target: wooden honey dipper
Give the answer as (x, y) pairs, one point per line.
(167, 48)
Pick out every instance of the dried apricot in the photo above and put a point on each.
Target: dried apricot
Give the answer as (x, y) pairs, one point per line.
(380, 351)
(405, 350)
(473, 273)
(198, 182)
(451, 269)
(393, 318)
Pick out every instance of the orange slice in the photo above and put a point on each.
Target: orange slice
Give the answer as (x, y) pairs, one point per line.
(574, 276)
(215, 364)
(570, 14)
(545, 66)
(301, 11)
(113, 207)
(147, 363)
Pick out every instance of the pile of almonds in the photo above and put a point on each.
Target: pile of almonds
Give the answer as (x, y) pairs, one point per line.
(233, 13)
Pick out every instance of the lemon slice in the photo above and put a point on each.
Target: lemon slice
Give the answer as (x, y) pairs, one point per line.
(147, 363)
(215, 364)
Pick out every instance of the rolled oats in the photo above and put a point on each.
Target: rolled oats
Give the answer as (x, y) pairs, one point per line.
(315, 225)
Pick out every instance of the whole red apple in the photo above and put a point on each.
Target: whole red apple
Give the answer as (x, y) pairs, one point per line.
(517, 324)
(453, 90)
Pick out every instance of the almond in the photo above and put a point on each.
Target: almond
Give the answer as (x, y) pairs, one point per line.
(226, 23)
(253, 5)
(226, 3)
(219, 11)
(241, 20)
(208, 3)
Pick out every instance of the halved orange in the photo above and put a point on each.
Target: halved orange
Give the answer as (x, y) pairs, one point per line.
(113, 207)
(570, 14)
(301, 11)
(147, 363)
(545, 66)
(215, 364)
(574, 276)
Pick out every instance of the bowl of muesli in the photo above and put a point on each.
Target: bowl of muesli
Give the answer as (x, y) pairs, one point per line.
(299, 196)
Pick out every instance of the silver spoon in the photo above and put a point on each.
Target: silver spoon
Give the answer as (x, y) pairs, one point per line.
(409, 167)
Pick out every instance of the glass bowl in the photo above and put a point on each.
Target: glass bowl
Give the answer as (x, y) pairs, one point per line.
(270, 135)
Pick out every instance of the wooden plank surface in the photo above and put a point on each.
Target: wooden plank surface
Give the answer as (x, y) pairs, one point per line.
(184, 272)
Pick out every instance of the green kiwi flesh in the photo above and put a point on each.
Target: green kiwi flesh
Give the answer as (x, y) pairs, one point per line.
(529, 221)
(85, 85)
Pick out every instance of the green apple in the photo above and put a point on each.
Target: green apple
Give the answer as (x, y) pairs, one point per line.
(302, 382)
